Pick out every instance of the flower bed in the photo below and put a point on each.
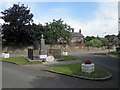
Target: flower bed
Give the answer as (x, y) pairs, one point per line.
(87, 66)
(87, 62)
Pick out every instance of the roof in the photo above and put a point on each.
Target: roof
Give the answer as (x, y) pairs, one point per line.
(75, 34)
(103, 39)
(116, 39)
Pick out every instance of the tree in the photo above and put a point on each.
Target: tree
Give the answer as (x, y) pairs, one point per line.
(110, 39)
(94, 43)
(57, 33)
(104, 41)
(38, 30)
(17, 27)
(88, 38)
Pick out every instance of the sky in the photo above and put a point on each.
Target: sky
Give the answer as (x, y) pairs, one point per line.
(93, 18)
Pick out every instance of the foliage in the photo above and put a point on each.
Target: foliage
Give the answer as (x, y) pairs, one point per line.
(94, 43)
(56, 32)
(88, 38)
(67, 58)
(38, 30)
(17, 27)
(104, 41)
(110, 39)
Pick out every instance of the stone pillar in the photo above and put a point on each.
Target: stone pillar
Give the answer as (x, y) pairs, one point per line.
(42, 52)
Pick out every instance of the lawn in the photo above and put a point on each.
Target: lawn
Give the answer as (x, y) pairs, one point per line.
(66, 58)
(75, 69)
(20, 60)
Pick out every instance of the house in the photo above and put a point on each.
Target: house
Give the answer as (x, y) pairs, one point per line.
(77, 37)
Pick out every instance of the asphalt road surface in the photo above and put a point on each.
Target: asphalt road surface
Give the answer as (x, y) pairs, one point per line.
(17, 76)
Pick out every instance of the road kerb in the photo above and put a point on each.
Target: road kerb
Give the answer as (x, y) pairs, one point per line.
(81, 77)
(11, 62)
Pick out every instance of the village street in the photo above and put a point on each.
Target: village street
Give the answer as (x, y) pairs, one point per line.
(18, 76)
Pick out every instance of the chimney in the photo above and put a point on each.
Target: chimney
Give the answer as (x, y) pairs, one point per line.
(79, 30)
(72, 30)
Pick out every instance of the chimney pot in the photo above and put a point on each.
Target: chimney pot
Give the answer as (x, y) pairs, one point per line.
(79, 30)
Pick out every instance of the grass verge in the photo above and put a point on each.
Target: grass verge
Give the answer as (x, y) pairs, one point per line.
(66, 58)
(75, 69)
(20, 60)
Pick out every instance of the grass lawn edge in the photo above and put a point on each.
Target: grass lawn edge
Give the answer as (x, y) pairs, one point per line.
(11, 62)
(81, 77)
(74, 70)
(66, 58)
(26, 62)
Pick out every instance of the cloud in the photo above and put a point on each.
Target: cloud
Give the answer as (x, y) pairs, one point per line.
(59, 9)
(50, 14)
(73, 23)
(106, 20)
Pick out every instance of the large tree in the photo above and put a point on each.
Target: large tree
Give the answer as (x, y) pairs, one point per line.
(38, 30)
(57, 33)
(17, 26)
(88, 38)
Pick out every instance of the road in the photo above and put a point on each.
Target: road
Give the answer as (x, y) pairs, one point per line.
(103, 61)
(18, 76)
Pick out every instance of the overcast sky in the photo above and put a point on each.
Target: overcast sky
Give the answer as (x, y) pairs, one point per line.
(93, 18)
